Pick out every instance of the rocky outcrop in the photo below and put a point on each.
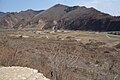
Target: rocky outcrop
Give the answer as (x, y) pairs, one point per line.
(20, 73)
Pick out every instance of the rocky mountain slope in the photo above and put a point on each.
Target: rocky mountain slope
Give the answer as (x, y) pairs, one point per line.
(76, 18)
(71, 18)
(17, 20)
(84, 18)
(1, 14)
(45, 19)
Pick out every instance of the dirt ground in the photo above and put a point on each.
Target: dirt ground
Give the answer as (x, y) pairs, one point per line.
(65, 55)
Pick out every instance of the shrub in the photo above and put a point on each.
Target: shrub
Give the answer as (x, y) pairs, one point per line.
(71, 8)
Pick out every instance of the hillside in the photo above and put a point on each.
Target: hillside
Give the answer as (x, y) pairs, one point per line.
(17, 20)
(75, 18)
(84, 18)
(67, 17)
(45, 19)
(1, 14)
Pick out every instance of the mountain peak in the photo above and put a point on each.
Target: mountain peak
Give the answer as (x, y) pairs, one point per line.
(30, 10)
(58, 5)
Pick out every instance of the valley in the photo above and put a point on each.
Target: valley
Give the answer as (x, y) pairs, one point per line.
(63, 55)
(62, 43)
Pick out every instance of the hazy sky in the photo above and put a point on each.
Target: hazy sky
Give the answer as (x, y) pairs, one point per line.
(108, 6)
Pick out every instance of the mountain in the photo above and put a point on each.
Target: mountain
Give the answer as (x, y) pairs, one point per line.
(1, 14)
(83, 18)
(67, 17)
(17, 20)
(75, 18)
(45, 19)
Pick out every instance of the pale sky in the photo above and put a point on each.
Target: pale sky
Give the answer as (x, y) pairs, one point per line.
(108, 6)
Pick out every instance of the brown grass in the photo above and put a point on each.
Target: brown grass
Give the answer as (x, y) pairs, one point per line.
(62, 59)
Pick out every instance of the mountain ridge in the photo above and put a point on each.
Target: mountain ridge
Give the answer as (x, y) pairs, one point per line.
(12, 19)
(67, 17)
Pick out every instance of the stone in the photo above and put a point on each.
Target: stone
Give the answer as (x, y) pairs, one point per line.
(20, 73)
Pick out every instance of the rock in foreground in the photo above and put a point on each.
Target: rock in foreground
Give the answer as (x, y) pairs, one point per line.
(20, 73)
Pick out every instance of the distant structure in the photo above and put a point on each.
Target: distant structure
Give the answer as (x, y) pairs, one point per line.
(55, 26)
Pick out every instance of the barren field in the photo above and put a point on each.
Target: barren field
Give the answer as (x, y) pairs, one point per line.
(81, 36)
(63, 55)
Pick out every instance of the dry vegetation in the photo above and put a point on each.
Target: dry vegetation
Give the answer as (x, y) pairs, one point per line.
(59, 56)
